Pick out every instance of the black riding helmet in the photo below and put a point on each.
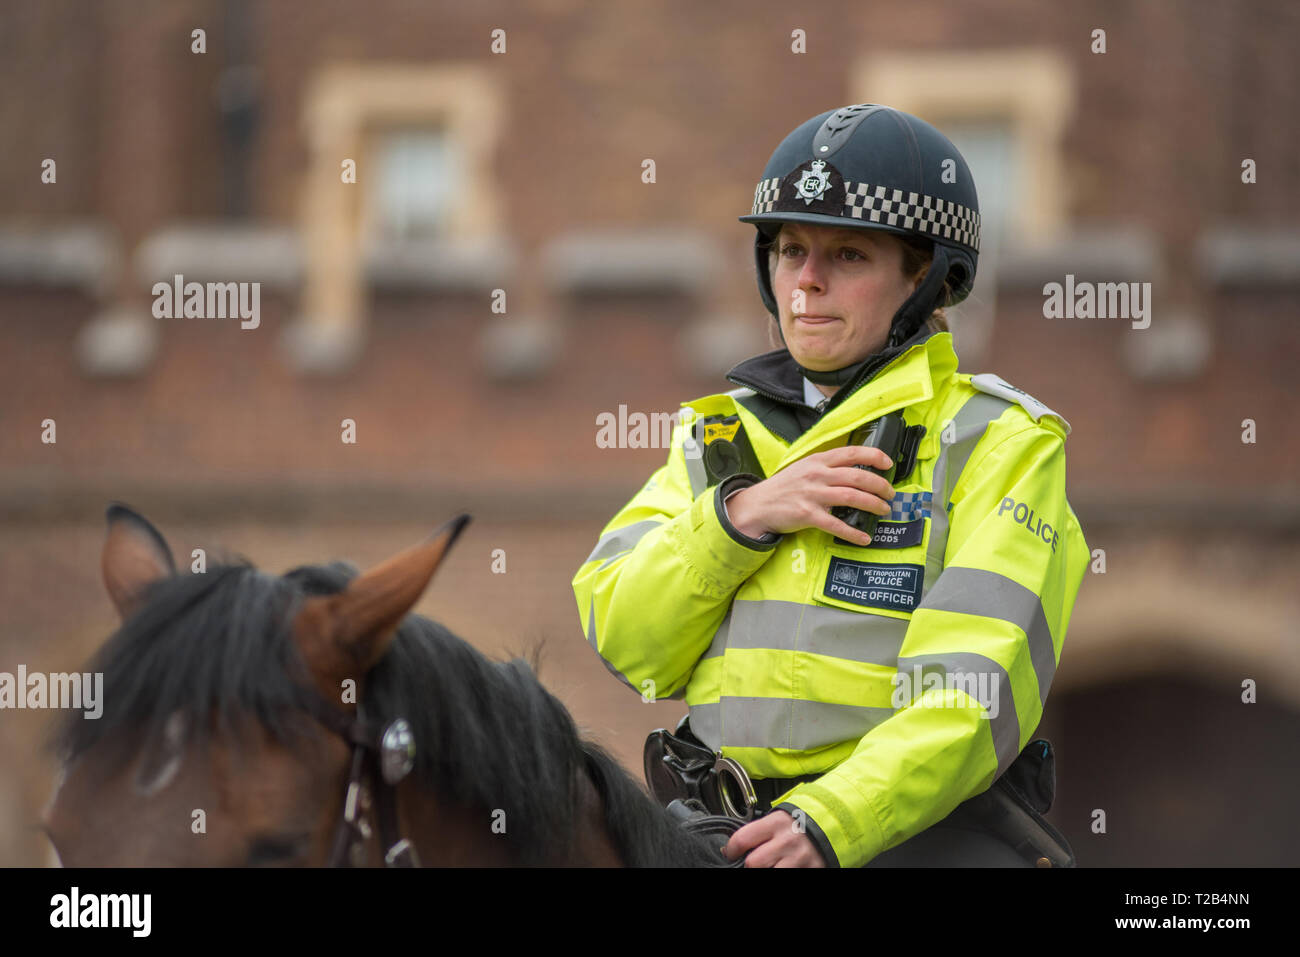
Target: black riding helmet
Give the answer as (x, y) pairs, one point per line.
(874, 167)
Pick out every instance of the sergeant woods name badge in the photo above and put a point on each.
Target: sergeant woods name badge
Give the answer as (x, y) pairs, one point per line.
(874, 586)
(892, 535)
(898, 534)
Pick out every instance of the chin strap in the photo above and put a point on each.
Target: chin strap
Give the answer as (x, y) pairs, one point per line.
(835, 376)
(923, 300)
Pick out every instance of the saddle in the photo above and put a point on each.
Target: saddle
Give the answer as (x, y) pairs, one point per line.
(1013, 808)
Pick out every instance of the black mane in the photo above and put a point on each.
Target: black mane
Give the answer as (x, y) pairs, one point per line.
(488, 735)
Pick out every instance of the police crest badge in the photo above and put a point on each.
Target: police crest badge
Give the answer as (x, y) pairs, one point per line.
(814, 186)
(813, 182)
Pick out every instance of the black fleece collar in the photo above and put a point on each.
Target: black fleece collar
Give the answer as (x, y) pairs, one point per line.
(776, 375)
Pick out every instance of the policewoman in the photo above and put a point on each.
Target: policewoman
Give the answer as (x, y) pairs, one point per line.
(858, 566)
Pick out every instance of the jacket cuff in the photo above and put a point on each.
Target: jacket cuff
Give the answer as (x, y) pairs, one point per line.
(853, 832)
(718, 559)
(814, 832)
(726, 488)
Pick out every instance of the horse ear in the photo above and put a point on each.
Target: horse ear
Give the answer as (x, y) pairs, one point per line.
(135, 556)
(344, 635)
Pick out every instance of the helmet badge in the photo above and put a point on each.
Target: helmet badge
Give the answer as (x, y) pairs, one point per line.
(813, 182)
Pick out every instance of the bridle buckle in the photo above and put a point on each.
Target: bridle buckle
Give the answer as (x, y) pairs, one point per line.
(402, 854)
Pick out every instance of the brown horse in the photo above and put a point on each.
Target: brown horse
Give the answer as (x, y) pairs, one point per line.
(229, 734)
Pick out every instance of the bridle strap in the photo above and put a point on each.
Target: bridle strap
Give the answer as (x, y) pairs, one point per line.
(367, 789)
(353, 830)
(400, 852)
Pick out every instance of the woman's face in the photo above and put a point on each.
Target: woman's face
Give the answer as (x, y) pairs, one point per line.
(837, 291)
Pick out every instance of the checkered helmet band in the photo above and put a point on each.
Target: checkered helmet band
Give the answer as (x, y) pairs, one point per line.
(887, 206)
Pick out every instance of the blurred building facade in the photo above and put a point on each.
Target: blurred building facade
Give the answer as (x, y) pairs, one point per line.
(478, 228)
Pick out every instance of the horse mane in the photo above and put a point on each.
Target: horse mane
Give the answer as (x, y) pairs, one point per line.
(218, 647)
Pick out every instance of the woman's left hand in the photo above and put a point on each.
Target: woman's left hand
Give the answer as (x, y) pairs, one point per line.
(773, 841)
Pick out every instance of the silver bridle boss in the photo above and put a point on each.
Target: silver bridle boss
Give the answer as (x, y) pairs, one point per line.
(370, 787)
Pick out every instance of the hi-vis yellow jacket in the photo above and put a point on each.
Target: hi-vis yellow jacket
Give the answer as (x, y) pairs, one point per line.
(911, 672)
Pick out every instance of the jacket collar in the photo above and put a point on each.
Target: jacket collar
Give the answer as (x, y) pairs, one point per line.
(776, 375)
(913, 376)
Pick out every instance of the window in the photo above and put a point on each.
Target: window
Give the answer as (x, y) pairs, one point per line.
(990, 149)
(1006, 111)
(422, 138)
(415, 173)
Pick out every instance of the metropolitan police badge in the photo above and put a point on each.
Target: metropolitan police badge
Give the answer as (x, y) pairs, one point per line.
(813, 182)
(815, 188)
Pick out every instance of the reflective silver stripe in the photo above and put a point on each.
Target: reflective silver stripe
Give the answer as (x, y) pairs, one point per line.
(591, 626)
(784, 723)
(695, 472)
(974, 591)
(706, 724)
(720, 637)
(853, 635)
(621, 540)
(816, 629)
(1006, 725)
(969, 426)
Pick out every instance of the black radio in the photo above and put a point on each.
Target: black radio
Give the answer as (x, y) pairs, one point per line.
(892, 435)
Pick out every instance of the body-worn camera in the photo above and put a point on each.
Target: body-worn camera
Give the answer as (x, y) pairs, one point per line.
(726, 448)
(892, 435)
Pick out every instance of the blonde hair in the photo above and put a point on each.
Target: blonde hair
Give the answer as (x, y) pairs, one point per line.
(917, 255)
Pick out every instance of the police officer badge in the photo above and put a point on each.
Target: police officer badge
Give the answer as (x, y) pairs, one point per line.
(812, 183)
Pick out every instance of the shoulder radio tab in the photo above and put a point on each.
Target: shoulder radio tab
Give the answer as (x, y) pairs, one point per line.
(996, 385)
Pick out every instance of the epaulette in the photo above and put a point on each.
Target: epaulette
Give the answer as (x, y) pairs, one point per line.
(996, 385)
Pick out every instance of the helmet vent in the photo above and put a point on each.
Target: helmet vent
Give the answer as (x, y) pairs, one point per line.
(839, 127)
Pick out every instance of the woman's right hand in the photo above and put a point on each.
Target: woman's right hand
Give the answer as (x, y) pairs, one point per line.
(802, 494)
